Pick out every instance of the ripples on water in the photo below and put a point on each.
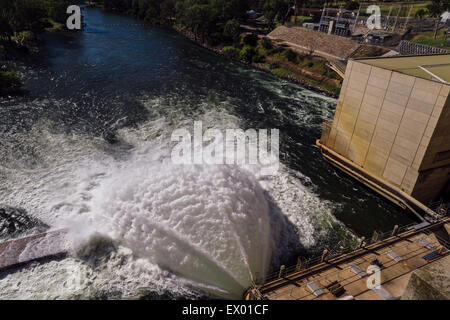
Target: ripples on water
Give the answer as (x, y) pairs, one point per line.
(88, 146)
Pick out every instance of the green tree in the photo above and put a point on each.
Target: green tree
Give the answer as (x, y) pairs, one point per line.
(56, 9)
(9, 82)
(352, 5)
(250, 39)
(435, 9)
(420, 13)
(232, 29)
(28, 15)
(273, 9)
(248, 53)
(6, 18)
(6, 30)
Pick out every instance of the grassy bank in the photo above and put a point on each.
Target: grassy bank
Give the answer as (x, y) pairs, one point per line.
(426, 38)
(307, 70)
(18, 49)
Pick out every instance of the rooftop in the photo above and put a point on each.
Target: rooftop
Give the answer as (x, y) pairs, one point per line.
(430, 67)
(322, 44)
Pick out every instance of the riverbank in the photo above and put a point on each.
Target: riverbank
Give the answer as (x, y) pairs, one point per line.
(10, 81)
(22, 47)
(307, 71)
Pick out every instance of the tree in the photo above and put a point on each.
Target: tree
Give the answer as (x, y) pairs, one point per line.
(56, 9)
(28, 15)
(250, 39)
(167, 10)
(248, 53)
(201, 19)
(352, 5)
(6, 30)
(420, 13)
(435, 9)
(270, 11)
(6, 17)
(231, 29)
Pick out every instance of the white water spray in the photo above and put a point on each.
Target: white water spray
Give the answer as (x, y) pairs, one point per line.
(209, 224)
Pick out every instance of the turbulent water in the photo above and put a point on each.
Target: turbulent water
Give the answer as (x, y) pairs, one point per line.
(88, 148)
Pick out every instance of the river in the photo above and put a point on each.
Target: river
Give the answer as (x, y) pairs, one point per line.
(88, 148)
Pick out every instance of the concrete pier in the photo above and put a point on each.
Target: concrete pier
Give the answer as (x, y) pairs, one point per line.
(22, 250)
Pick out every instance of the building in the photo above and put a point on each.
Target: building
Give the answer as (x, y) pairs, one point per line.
(337, 21)
(391, 129)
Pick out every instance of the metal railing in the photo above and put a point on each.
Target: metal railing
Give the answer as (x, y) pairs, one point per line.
(332, 253)
(413, 250)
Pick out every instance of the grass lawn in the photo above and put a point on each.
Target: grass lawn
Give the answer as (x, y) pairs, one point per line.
(56, 26)
(301, 19)
(427, 39)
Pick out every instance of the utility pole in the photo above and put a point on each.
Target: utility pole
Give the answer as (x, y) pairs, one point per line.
(295, 12)
(396, 18)
(407, 18)
(321, 17)
(386, 26)
(356, 19)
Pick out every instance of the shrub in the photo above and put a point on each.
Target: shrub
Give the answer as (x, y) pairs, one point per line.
(352, 5)
(9, 82)
(257, 58)
(247, 53)
(276, 50)
(290, 55)
(273, 66)
(231, 52)
(250, 39)
(231, 29)
(420, 13)
(266, 43)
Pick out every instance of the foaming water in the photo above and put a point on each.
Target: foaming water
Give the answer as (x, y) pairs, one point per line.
(207, 223)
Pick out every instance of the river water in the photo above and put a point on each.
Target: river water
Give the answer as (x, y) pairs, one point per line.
(88, 147)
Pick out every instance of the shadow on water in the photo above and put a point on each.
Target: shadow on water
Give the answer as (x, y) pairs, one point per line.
(286, 236)
(16, 222)
(24, 266)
